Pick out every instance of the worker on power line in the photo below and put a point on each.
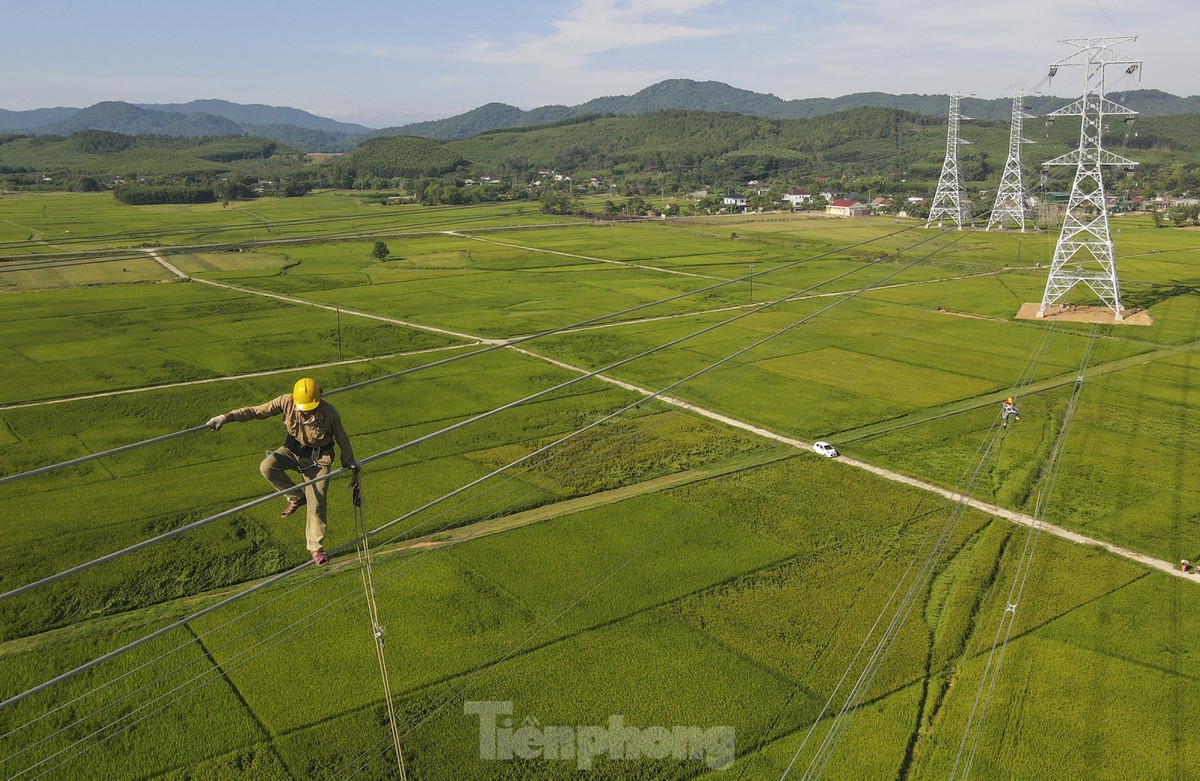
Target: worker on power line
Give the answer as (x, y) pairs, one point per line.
(1007, 409)
(311, 428)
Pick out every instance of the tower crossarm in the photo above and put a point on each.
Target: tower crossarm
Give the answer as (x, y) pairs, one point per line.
(1104, 156)
(1106, 107)
(1097, 50)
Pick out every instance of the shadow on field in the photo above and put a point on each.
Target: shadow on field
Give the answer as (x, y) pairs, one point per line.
(1156, 294)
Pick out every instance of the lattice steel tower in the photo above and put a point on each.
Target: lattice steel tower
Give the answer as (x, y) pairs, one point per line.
(949, 200)
(1010, 198)
(1084, 252)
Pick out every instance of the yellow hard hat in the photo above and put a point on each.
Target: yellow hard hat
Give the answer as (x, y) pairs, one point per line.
(306, 393)
(319, 396)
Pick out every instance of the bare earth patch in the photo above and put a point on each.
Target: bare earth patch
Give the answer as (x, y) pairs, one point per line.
(1084, 314)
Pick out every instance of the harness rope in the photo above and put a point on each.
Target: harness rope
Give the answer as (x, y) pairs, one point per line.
(364, 559)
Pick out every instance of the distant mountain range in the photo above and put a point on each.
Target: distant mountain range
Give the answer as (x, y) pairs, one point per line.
(716, 96)
(319, 134)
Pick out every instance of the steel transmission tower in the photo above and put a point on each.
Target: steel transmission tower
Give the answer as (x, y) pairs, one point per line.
(949, 200)
(1084, 252)
(1010, 198)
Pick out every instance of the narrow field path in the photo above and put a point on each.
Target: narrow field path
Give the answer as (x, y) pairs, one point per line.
(166, 264)
(579, 504)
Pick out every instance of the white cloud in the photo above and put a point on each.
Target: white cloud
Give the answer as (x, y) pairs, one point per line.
(596, 27)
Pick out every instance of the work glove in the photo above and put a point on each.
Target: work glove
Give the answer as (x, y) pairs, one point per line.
(356, 467)
(216, 423)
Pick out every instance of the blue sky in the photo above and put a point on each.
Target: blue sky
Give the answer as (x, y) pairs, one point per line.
(383, 63)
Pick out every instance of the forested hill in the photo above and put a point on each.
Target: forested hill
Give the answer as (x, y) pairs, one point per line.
(684, 150)
(125, 118)
(674, 150)
(715, 96)
(312, 133)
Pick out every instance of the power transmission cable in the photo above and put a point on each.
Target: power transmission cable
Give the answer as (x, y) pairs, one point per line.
(984, 455)
(102, 454)
(642, 401)
(891, 627)
(368, 581)
(482, 351)
(180, 530)
(454, 695)
(424, 438)
(637, 403)
(995, 658)
(842, 720)
(214, 674)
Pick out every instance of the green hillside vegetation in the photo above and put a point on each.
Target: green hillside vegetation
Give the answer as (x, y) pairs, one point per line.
(490, 116)
(715, 96)
(870, 150)
(320, 134)
(394, 157)
(102, 154)
(132, 120)
(698, 148)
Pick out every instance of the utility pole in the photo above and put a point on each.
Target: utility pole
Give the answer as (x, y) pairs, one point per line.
(949, 200)
(1010, 197)
(1085, 242)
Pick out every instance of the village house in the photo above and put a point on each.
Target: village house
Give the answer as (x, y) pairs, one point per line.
(844, 208)
(797, 197)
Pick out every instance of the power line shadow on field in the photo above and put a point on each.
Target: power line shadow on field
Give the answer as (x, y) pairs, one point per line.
(1156, 294)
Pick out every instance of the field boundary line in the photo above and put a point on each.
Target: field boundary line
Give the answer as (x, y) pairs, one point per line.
(228, 378)
(582, 257)
(734, 307)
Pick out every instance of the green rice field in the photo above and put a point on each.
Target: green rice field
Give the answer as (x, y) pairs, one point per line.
(573, 579)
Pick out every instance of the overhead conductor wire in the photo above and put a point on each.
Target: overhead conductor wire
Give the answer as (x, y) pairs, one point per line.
(919, 578)
(671, 387)
(500, 344)
(368, 581)
(641, 401)
(424, 438)
(383, 454)
(991, 670)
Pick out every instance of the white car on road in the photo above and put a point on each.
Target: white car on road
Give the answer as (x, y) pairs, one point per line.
(825, 449)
